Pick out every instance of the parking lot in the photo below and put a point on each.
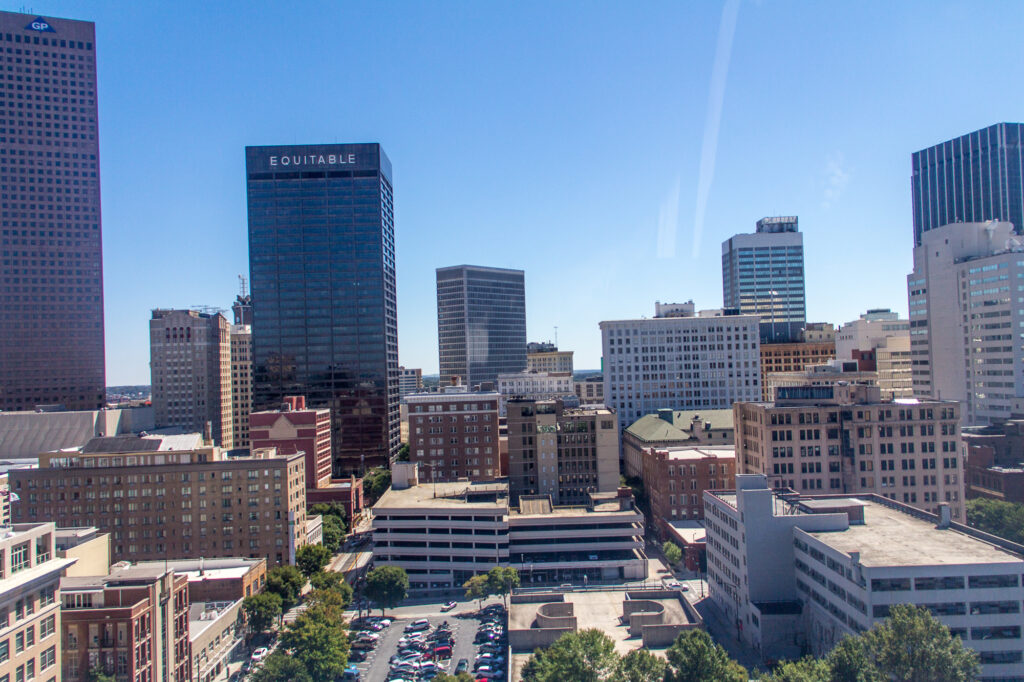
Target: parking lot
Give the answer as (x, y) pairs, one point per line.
(464, 626)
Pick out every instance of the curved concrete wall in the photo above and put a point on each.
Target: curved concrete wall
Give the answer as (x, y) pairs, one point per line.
(641, 613)
(556, 615)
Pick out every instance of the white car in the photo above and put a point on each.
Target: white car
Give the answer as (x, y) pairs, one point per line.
(417, 625)
(260, 654)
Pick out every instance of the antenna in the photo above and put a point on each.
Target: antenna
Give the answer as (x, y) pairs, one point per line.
(243, 285)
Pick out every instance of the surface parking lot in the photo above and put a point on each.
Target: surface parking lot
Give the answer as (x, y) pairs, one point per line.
(464, 626)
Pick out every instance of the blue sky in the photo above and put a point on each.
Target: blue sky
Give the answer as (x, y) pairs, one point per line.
(550, 136)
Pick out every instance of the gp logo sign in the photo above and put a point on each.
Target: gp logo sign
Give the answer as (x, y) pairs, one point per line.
(41, 25)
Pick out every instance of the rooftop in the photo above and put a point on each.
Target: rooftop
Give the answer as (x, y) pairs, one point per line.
(490, 495)
(687, 453)
(205, 569)
(144, 442)
(652, 427)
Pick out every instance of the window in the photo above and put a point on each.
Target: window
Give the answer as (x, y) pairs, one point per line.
(48, 658)
(984, 581)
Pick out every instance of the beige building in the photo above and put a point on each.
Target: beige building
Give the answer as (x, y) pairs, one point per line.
(879, 341)
(539, 385)
(792, 357)
(818, 332)
(241, 383)
(88, 546)
(828, 374)
(590, 391)
(30, 617)
(190, 363)
(159, 502)
(549, 361)
(566, 453)
(844, 439)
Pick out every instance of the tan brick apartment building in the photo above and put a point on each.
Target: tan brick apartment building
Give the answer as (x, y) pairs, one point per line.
(454, 434)
(30, 616)
(845, 439)
(175, 504)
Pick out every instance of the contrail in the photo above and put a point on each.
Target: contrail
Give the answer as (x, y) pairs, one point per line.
(709, 148)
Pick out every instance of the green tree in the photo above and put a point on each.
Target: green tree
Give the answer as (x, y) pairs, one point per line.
(333, 533)
(695, 657)
(331, 580)
(673, 554)
(805, 670)
(403, 453)
(375, 483)
(319, 641)
(912, 645)
(581, 656)
(639, 665)
(325, 509)
(312, 558)
(261, 611)
(96, 674)
(479, 588)
(502, 580)
(387, 586)
(1005, 519)
(461, 677)
(280, 667)
(286, 582)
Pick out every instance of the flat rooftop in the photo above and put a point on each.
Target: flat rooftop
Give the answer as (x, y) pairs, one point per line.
(890, 537)
(440, 495)
(687, 453)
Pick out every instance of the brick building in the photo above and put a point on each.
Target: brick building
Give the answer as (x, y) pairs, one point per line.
(131, 623)
(292, 429)
(158, 502)
(846, 439)
(792, 357)
(675, 480)
(670, 428)
(454, 434)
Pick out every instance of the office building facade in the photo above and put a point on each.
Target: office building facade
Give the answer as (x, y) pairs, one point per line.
(964, 319)
(410, 380)
(190, 363)
(763, 275)
(972, 178)
(481, 323)
(322, 264)
(681, 363)
(549, 361)
(241, 383)
(51, 260)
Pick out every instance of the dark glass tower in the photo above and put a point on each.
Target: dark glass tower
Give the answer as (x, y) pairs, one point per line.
(51, 259)
(481, 323)
(973, 178)
(322, 266)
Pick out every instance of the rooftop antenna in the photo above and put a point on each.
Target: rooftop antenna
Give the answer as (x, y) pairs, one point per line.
(243, 285)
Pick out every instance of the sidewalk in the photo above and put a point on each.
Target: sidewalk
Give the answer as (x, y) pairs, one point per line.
(725, 634)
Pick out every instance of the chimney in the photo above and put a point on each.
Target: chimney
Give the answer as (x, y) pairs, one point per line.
(208, 432)
(944, 516)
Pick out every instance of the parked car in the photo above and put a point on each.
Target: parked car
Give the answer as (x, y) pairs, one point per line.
(462, 666)
(260, 654)
(417, 625)
(357, 655)
(351, 674)
(448, 606)
(443, 652)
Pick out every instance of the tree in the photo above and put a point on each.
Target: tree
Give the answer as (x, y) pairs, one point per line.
(1005, 519)
(403, 453)
(331, 580)
(280, 667)
(387, 586)
(261, 611)
(287, 583)
(672, 552)
(333, 533)
(912, 645)
(639, 665)
(326, 509)
(805, 670)
(478, 587)
(502, 580)
(461, 677)
(319, 642)
(96, 674)
(312, 558)
(375, 483)
(581, 656)
(695, 657)
(848, 662)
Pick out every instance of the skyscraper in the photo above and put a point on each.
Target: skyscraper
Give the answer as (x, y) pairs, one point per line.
(481, 323)
(51, 263)
(322, 265)
(972, 178)
(763, 274)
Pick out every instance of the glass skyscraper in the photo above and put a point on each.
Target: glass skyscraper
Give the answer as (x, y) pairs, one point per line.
(322, 266)
(974, 178)
(51, 257)
(763, 274)
(481, 323)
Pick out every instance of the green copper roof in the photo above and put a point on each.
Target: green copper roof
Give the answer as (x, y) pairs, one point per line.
(652, 428)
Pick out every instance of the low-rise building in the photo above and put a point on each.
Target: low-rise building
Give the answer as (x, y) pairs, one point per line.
(294, 429)
(844, 438)
(410, 380)
(160, 502)
(673, 428)
(826, 374)
(557, 361)
(444, 533)
(131, 623)
(215, 629)
(675, 479)
(454, 434)
(30, 617)
(992, 476)
(590, 390)
(536, 385)
(566, 453)
(798, 573)
(792, 357)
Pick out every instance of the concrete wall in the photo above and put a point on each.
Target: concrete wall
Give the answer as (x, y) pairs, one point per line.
(93, 557)
(660, 636)
(556, 615)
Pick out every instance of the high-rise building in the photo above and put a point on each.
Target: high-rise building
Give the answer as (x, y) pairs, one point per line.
(190, 363)
(322, 263)
(481, 323)
(241, 383)
(880, 342)
(972, 178)
(560, 452)
(709, 360)
(410, 380)
(453, 435)
(51, 261)
(844, 439)
(763, 275)
(964, 318)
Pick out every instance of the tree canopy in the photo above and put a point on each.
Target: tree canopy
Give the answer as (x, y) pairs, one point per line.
(639, 665)
(312, 558)
(502, 580)
(375, 483)
(280, 667)
(333, 533)
(695, 657)
(262, 610)
(672, 552)
(286, 582)
(387, 586)
(581, 656)
(1005, 519)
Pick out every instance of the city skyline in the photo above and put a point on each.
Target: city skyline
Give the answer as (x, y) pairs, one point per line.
(597, 158)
